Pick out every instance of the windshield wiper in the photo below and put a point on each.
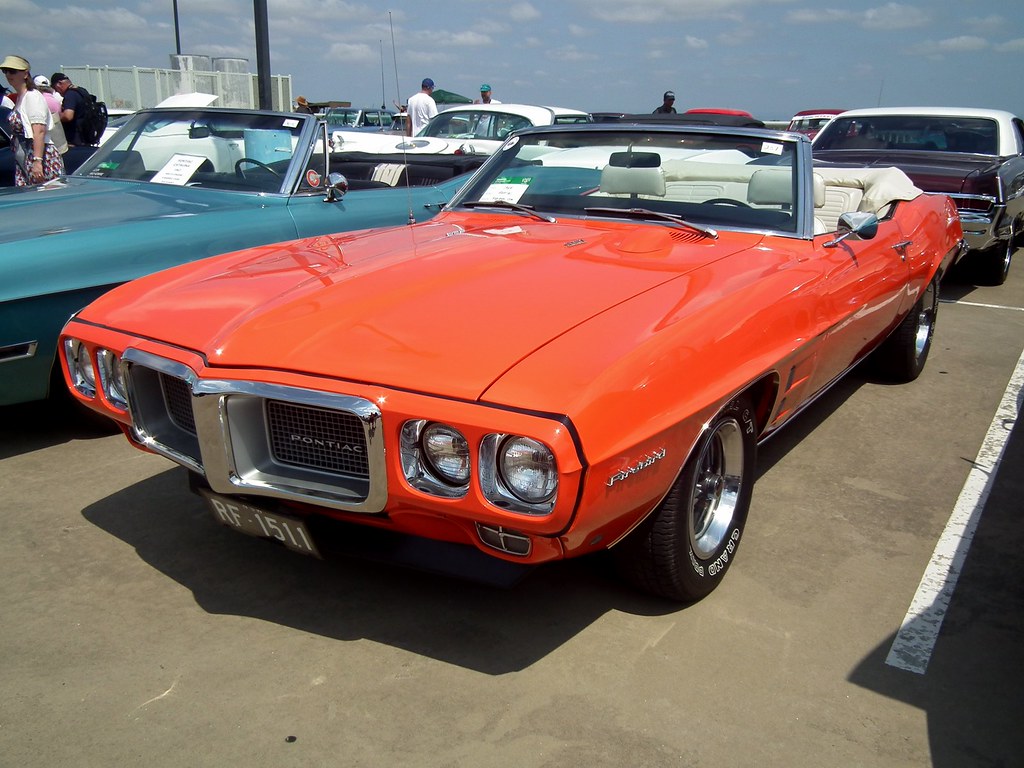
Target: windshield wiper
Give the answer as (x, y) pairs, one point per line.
(647, 213)
(506, 205)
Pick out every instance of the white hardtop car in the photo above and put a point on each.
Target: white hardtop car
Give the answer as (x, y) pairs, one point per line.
(976, 156)
(467, 129)
(1007, 136)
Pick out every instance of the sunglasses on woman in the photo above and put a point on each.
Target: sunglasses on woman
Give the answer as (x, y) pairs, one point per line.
(7, 71)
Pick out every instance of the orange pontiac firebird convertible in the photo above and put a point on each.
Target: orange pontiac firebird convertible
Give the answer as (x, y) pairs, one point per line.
(581, 352)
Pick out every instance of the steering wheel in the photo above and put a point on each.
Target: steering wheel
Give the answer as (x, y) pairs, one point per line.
(250, 161)
(726, 201)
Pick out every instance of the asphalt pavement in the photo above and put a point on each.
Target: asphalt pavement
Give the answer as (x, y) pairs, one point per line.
(137, 631)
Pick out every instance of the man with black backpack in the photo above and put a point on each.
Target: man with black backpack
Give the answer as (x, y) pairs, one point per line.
(83, 117)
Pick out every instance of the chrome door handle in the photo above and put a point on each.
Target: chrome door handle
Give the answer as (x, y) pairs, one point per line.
(901, 247)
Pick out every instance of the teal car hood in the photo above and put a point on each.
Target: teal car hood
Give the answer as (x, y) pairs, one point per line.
(89, 233)
(30, 212)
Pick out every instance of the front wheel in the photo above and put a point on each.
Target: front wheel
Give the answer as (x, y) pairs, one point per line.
(683, 549)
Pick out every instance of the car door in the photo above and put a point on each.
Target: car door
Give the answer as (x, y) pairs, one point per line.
(863, 292)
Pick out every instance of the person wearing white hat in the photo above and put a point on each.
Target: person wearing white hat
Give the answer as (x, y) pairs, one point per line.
(53, 101)
(36, 157)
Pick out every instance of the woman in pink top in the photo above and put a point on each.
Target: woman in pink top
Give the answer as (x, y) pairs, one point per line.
(53, 101)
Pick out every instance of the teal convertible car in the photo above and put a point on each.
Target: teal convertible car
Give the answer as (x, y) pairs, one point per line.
(175, 185)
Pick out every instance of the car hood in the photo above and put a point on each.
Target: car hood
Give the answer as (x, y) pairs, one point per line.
(931, 171)
(378, 142)
(81, 204)
(446, 306)
(389, 143)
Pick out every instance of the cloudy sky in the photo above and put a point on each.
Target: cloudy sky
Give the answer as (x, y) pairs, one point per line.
(770, 57)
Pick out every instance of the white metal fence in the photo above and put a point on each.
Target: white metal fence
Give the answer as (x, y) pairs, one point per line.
(132, 88)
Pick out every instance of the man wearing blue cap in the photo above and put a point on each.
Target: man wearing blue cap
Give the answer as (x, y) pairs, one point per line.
(485, 95)
(421, 107)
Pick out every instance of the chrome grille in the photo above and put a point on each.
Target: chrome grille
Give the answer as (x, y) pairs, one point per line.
(178, 398)
(317, 438)
(260, 438)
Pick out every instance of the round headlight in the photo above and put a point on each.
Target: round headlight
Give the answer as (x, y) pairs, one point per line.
(112, 378)
(83, 374)
(528, 469)
(447, 453)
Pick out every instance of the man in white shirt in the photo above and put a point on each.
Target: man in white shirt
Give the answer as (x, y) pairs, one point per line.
(421, 107)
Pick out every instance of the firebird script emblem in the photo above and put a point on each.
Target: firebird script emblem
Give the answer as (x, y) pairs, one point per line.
(641, 465)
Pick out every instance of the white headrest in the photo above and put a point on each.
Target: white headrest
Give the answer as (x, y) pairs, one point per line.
(770, 186)
(616, 180)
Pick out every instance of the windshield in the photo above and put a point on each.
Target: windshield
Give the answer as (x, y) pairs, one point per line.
(808, 124)
(234, 150)
(340, 118)
(474, 125)
(722, 180)
(926, 133)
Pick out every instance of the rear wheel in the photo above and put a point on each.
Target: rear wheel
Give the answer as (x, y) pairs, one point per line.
(902, 356)
(992, 266)
(683, 549)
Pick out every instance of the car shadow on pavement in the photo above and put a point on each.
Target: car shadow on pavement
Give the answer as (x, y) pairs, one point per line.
(472, 625)
(803, 424)
(961, 281)
(31, 427)
(971, 688)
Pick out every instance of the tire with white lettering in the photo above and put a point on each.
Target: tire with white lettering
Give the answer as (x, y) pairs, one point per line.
(685, 546)
(902, 356)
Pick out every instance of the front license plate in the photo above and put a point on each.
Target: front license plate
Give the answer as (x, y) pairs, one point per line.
(290, 531)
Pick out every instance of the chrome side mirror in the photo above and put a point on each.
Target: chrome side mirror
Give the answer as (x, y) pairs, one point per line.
(337, 187)
(859, 225)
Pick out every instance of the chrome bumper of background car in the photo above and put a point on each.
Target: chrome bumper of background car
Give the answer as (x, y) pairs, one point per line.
(260, 439)
(983, 228)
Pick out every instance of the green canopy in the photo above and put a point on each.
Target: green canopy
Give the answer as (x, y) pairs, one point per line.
(442, 96)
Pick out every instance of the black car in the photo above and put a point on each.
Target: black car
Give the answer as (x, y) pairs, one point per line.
(976, 156)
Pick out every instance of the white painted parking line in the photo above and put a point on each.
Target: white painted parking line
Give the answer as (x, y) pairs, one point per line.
(912, 648)
(977, 304)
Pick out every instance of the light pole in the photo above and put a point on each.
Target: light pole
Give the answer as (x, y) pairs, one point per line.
(259, 8)
(177, 37)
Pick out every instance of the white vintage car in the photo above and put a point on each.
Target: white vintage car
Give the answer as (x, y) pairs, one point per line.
(467, 129)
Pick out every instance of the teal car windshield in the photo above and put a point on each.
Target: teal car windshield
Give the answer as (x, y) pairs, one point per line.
(237, 151)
